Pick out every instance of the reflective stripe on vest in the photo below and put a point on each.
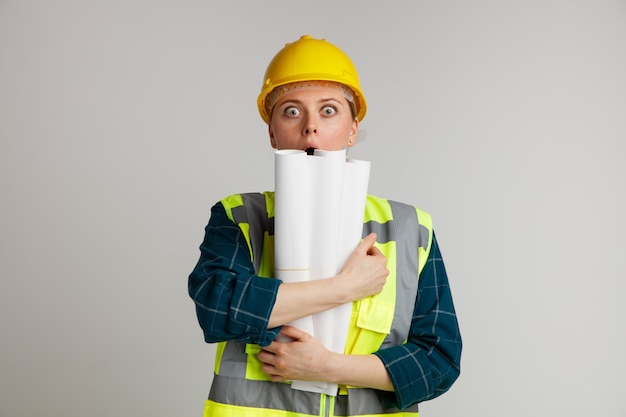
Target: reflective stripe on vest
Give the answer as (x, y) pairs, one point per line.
(252, 206)
(271, 398)
(379, 321)
(408, 234)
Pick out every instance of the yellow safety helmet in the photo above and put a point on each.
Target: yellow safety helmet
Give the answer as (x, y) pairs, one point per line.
(309, 59)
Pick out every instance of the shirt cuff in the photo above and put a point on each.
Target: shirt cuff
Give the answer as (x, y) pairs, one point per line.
(259, 299)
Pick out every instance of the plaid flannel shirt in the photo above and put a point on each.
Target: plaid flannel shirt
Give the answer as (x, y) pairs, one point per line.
(233, 303)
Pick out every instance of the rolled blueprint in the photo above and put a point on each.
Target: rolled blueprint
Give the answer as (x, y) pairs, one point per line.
(318, 221)
(292, 233)
(331, 326)
(292, 208)
(328, 172)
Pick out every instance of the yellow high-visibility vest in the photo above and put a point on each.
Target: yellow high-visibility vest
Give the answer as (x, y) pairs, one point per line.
(240, 388)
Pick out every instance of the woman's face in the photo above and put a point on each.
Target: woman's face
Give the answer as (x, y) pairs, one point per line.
(318, 118)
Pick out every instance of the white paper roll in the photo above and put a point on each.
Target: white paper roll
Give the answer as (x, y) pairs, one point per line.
(292, 206)
(354, 196)
(292, 232)
(331, 326)
(318, 221)
(327, 171)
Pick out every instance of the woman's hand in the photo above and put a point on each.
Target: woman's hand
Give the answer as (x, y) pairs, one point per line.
(365, 272)
(304, 358)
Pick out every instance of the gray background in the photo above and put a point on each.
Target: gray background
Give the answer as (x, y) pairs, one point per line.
(122, 122)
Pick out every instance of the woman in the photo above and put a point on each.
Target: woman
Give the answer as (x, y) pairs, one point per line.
(403, 345)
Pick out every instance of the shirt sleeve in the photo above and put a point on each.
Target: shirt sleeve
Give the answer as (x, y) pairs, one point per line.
(232, 302)
(427, 365)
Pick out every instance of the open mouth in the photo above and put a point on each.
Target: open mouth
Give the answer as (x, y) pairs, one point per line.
(310, 151)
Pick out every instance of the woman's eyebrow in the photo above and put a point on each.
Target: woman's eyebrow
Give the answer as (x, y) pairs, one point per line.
(289, 101)
(300, 102)
(322, 100)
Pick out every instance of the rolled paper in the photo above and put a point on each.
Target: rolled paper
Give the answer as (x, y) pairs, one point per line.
(327, 170)
(331, 326)
(292, 206)
(354, 198)
(318, 221)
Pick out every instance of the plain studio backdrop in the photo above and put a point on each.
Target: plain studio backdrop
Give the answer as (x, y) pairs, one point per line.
(123, 122)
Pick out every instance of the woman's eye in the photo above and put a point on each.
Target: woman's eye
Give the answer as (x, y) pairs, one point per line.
(329, 111)
(292, 111)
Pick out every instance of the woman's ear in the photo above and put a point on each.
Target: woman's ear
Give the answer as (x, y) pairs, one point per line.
(354, 131)
(271, 135)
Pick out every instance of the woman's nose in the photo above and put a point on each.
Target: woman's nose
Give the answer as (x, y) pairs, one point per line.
(310, 126)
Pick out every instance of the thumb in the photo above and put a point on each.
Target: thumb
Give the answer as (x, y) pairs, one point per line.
(293, 332)
(367, 242)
